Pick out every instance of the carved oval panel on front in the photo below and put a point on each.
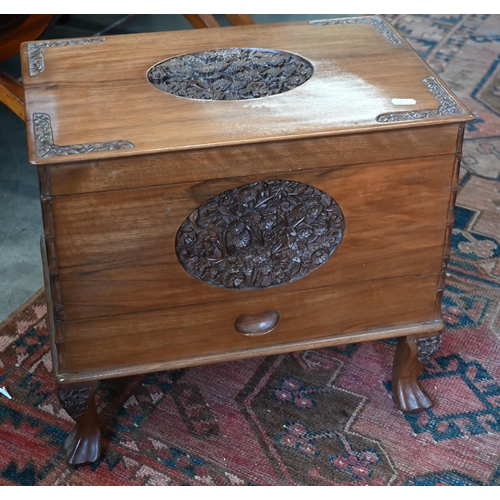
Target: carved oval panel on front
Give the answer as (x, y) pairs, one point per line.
(260, 235)
(230, 74)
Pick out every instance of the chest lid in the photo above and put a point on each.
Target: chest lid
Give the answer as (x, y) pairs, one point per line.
(92, 98)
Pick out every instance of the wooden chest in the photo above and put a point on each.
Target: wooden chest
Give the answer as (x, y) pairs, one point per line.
(219, 194)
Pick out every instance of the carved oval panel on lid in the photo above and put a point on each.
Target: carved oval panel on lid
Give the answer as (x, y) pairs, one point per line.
(230, 74)
(260, 235)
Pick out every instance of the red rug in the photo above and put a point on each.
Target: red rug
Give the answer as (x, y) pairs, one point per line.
(322, 417)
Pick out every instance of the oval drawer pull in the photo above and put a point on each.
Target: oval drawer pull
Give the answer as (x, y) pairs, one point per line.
(259, 324)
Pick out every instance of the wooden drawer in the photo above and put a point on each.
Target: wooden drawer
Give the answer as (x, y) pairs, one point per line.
(189, 335)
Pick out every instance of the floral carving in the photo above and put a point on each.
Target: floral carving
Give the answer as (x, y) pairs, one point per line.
(36, 50)
(46, 148)
(230, 74)
(259, 235)
(427, 347)
(382, 27)
(447, 105)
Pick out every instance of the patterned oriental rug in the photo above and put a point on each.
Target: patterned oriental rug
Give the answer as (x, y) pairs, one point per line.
(322, 417)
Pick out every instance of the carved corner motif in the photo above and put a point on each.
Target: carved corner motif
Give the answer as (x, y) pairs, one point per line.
(447, 105)
(230, 74)
(45, 147)
(260, 235)
(36, 50)
(75, 401)
(427, 347)
(377, 22)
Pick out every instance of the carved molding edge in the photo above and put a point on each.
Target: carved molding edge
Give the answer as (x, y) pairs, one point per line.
(260, 235)
(427, 347)
(75, 401)
(447, 105)
(36, 50)
(45, 147)
(378, 23)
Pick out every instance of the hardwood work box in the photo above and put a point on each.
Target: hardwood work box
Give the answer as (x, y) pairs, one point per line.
(211, 195)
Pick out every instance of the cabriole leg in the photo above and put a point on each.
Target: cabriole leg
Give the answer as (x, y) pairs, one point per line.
(412, 354)
(83, 445)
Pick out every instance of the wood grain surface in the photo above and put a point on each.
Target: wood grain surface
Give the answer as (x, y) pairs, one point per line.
(122, 303)
(99, 92)
(11, 94)
(432, 327)
(116, 249)
(188, 332)
(268, 158)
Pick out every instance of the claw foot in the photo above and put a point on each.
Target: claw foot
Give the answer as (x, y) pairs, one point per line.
(410, 359)
(83, 445)
(410, 397)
